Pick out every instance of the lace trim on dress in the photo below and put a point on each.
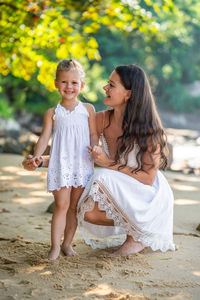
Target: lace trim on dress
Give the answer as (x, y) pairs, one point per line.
(68, 179)
(55, 112)
(98, 193)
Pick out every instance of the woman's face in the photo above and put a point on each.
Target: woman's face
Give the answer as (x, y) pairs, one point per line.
(116, 94)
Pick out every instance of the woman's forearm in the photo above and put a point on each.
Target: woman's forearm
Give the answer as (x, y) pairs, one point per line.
(145, 177)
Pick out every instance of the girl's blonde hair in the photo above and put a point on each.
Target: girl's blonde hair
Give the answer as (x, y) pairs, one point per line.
(70, 64)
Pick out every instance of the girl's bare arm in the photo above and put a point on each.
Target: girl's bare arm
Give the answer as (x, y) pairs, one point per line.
(46, 133)
(94, 140)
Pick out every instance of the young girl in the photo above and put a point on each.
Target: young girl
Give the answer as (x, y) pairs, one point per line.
(70, 166)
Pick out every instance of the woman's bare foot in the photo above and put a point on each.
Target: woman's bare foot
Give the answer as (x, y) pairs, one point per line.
(68, 250)
(54, 253)
(129, 247)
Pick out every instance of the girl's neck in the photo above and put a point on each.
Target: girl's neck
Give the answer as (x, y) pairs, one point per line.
(69, 103)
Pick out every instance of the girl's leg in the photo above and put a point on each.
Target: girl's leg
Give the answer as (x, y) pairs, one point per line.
(71, 223)
(98, 217)
(62, 201)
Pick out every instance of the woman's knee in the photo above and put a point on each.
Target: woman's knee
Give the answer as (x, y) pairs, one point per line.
(93, 216)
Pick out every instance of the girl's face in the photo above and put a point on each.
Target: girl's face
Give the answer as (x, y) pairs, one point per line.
(69, 84)
(116, 94)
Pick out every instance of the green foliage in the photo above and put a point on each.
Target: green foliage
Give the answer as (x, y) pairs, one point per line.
(31, 29)
(5, 109)
(162, 36)
(34, 97)
(179, 99)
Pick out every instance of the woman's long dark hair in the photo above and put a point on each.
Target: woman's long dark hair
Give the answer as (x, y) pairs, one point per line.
(141, 123)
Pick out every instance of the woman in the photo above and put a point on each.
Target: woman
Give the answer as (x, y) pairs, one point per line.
(128, 201)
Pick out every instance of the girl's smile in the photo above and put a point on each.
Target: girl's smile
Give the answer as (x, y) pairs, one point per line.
(69, 84)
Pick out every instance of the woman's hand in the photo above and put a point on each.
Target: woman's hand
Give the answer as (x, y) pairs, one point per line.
(100, 156)
(30, 163)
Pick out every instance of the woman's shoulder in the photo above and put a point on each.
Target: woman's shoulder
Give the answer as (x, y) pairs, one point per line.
(90, 108)
(102, 120)
(103, 117)
(100, 115)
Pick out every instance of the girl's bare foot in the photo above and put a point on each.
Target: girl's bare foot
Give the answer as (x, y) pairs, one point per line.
(68, 250)
(54, 253)
(129, 247)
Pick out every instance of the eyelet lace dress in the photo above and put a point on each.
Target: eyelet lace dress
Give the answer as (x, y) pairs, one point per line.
(145, 212)
(70, 163)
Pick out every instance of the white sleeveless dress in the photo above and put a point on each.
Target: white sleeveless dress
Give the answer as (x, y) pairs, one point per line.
(70, 163)
(145, 212)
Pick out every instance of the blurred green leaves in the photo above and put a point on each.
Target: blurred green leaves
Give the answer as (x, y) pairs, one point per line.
(163, 36)
(35, 34)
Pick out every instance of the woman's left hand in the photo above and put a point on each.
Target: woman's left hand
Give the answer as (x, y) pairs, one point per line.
(29, 163)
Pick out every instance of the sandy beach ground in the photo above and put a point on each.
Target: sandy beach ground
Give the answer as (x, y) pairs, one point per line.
(25, 273)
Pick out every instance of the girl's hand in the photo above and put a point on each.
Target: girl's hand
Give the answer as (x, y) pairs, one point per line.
(96, 151)
(31, 163)
(89, 149)
(100, 157)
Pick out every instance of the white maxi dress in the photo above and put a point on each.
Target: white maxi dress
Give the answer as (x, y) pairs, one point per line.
(145, 212)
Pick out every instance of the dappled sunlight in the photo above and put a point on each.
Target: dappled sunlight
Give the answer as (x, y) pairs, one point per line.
(104, 291)
(40, 194)
(46, 273)
(35, 268)
(100, 290)
(28, 201)
(180, 187)
(28, 173)
(187, 178)
(185, 202)
(196, 273)
(4, 177)
(11, 169)
(20, 171)
(36, 185)
(181, 296)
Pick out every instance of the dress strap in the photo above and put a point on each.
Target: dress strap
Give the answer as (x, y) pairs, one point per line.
(103, 122)
(55, 111)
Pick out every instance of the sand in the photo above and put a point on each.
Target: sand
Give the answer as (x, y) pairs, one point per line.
(25, 273)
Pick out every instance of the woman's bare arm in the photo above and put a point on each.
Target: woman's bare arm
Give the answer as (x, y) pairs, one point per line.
(146, 176)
